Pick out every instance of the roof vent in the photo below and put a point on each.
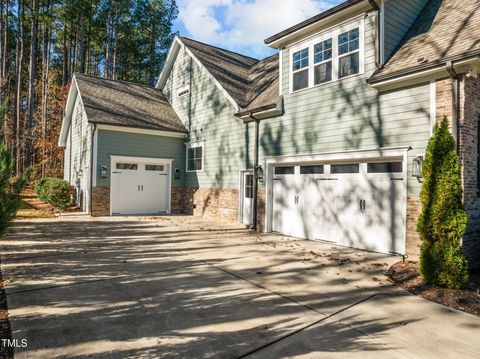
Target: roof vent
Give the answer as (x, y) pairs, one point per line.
(422, 60)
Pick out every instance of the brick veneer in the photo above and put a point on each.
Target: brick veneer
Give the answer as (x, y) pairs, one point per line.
(101, 201)
(220, 204)
(413, 239)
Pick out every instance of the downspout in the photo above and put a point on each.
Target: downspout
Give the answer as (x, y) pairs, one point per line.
(92, 147)
(255, 173)
(455, 103)
(378, 43)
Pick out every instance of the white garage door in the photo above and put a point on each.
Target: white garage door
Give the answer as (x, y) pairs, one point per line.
(355, 204)
(139, 187)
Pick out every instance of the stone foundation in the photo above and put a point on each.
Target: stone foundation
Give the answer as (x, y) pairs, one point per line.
(101, 201)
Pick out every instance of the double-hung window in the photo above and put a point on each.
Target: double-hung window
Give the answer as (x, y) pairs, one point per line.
(195, 152)
(330, 56)
(300, 69)
(349, 53)
(322, 57)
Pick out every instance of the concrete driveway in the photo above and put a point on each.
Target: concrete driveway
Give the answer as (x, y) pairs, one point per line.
(185, 287)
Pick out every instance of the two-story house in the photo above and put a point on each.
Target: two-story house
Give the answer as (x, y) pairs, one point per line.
(323, 140)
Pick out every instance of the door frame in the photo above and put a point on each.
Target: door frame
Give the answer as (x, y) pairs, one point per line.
(241, 191)
(384, 153)
(146, 160)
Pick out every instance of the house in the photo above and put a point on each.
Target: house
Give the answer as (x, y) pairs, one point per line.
(324, 140)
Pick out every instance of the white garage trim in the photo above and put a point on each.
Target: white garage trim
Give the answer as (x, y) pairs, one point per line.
(398, 153)
(145, 160)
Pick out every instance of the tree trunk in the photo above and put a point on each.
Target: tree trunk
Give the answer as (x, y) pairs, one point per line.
(65, 55)
(31, 81)
(82, 47)
(46, 67)
(18, 94)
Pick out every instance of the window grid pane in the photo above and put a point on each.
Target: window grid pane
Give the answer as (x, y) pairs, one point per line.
(348, 41)
(127, 166)
(300, 59)
(345, 168)
(322, 51)
(194, 159)
(290, 170)
(300, 80)
(384, 167)
(323, 73)
(315, 169)
(349, 65)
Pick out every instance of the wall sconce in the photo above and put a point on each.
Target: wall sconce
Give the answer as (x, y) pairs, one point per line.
(259, 173)
(103, 171)
(417, 166)
(177, 174)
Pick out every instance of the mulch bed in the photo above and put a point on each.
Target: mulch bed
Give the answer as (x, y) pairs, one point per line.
(406, 275)
(29, 197)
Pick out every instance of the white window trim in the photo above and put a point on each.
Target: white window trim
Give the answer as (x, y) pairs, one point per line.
(333, 34)
(195, 144)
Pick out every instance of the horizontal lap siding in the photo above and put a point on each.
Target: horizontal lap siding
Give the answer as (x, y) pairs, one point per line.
(209, 118)
(349, 115)
(138, 145)
(399, 17)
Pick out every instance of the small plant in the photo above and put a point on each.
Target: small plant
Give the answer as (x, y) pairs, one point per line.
(55, 191)
(443, 220)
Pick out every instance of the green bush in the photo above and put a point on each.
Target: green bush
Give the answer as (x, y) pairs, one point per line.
(55, 191)
(443, 220)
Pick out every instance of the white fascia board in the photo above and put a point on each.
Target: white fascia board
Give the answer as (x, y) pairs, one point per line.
(172, 55)
(67, 119)
(142, 131)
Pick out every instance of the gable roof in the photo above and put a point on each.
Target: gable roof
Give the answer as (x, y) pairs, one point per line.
(244, 80)
(444, 30)
(128, 104)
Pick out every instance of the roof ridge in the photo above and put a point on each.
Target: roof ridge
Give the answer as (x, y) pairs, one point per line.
(220, 48)
(120, 81)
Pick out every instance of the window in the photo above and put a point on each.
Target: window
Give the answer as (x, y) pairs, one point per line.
(315, 169)
(183, 90)
(345, 168)
(322, 56)
(289, 170)
(300, 69)
(195, 156)
(385, 167)
(330, 56)
(126, 166)
(160, 168)
(248, 186)
(348, 53)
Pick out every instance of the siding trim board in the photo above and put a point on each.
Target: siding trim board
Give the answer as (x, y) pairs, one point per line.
(142, 131)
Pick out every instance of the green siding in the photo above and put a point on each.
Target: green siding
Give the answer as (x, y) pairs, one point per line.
(399, 17)
(138, 145)
(208, 115)
(344, 115)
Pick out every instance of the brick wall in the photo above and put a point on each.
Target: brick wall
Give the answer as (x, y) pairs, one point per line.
(413, 239)
(219, 204)
(101, 201)
(468, 133)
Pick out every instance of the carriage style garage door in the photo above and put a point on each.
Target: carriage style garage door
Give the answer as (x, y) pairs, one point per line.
(352, 203)
(139, 185)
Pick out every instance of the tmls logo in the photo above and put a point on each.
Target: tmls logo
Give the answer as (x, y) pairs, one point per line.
(14, 343)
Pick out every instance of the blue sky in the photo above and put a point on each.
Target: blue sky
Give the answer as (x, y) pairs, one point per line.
(242, 25)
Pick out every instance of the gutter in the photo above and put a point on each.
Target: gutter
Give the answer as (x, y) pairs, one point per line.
(378, 62)
(255, 172)
(455, 102)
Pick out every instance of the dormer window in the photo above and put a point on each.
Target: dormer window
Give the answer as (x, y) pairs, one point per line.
(327, 57)
(300, 69)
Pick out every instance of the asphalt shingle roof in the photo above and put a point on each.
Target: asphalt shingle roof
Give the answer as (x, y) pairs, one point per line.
(122, 103)
(248, 81)
(444, 29)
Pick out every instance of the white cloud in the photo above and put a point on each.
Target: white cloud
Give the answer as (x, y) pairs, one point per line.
(242, 25)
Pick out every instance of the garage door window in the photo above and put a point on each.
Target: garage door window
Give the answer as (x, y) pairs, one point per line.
(160, 168)
(385, 167)
(127, 166)
(290, 170)
(307, 170)
(345, 168)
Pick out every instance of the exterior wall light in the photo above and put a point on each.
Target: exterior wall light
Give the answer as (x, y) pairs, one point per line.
(259, 173)
(417, 166)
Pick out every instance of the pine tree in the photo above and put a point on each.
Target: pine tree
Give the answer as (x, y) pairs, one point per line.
(443, 220)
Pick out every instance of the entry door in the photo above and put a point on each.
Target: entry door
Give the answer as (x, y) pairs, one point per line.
(247, 200)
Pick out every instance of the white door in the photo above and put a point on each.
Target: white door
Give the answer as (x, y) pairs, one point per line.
(139, 188)
(247, 198)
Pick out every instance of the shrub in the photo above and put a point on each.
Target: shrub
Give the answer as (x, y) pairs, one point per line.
(55, 191)
(443, 220)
